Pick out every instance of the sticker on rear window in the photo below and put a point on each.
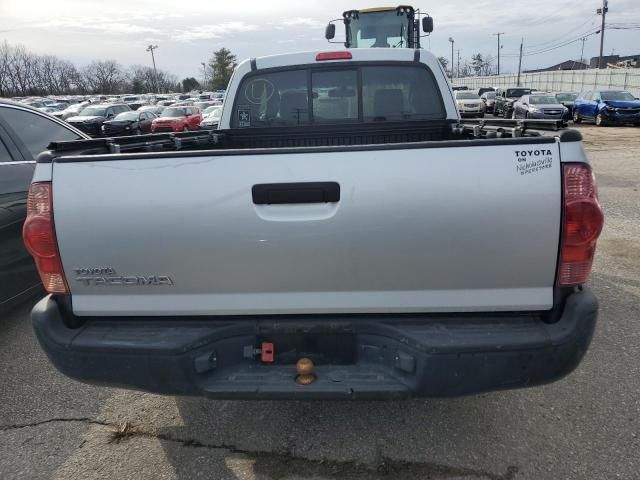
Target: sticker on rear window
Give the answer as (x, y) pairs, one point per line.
(259, 91)
(244, 116)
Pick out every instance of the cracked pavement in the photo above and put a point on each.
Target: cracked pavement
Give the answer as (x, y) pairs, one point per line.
(584, 426)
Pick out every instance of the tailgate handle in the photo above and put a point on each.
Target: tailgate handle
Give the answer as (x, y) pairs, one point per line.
(306, 192)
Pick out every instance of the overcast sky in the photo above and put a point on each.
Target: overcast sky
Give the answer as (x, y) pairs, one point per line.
(188, 31)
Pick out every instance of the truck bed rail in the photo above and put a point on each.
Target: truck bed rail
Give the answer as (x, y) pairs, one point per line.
(294, 137)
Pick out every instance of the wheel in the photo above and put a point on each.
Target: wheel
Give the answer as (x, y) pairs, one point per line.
(505, 113)
(600, 121)
(185, 128)
(576, 117)
(513, 115)
(526, 116)
(495, 111)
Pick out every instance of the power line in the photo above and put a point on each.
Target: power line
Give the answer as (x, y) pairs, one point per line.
(565, 34)
(556, 47)
(536, 51)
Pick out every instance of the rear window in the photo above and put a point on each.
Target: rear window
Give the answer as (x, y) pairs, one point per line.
(373, 93)
(518, 92)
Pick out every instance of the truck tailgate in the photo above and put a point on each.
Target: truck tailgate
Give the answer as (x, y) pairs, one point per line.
(416, 229)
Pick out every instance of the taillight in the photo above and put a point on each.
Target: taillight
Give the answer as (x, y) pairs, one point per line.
(333, 56)
(582, 224)
(40, 238)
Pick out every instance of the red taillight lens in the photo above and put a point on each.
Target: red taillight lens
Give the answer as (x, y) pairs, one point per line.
(40, 238)
(582, 224)
(333, 56)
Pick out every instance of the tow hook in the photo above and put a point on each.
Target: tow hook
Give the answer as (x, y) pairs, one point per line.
(305, 376)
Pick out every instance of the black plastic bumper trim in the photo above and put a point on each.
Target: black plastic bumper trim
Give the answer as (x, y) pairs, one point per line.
(441, 356)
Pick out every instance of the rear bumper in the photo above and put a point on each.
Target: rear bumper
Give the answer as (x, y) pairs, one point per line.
(403, 356)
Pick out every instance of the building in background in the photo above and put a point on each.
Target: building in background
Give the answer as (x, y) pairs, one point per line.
(616, 61)
(566, 65)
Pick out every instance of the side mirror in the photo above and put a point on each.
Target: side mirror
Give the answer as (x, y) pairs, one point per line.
(427, 24)
(330, 31)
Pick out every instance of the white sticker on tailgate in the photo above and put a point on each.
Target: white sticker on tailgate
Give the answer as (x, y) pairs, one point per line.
(532, 161)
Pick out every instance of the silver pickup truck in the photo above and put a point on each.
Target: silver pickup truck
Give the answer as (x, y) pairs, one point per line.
(343, 235)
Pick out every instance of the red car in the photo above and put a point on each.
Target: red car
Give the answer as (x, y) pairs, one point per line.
(177, 119)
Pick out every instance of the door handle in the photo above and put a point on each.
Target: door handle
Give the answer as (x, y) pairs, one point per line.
(305, 192)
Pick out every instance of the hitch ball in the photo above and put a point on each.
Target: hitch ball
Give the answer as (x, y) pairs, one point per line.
(304, 368)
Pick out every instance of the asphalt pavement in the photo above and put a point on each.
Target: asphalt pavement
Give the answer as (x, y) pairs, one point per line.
(586, 426)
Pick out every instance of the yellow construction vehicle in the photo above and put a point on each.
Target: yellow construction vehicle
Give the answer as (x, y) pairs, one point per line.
(384, 27)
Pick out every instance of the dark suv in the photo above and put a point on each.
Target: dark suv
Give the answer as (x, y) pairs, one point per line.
(91, 119)
(505, 98)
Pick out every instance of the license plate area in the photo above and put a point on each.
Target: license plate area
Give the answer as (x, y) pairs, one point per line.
(321, 347)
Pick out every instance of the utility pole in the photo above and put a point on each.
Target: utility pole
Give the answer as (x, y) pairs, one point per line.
(458, 74)
(602, 11)
(204, 75)
(499, 46)
(151, 48)
(583, 39)
(520, 61)
(452, 63)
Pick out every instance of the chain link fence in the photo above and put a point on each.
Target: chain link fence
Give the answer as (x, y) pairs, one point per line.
(562, 80)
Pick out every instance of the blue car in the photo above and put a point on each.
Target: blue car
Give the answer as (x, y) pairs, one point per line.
(606, 107)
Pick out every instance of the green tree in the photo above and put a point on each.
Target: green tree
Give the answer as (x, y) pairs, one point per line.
(477, 63)
(221, 66)
(189, 84)
(137, 85)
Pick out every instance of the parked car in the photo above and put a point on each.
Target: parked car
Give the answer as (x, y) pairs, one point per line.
(568, 100)
(128, 123)
(24, 133)
(70, 111)
(505, 98)
(165, 103)
(204, 105)
(606, 107)
(469, 104)
(229, 269)
(541, 107)
(155, 109)
(489, 99)
(211, 118)
(53, 107)
(483, 90)
(177, 119)
(91, 118)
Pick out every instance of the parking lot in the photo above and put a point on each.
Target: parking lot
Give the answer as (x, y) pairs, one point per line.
(585, 426)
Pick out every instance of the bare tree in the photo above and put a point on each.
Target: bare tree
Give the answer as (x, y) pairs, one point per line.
(104, 76)
(24, 73)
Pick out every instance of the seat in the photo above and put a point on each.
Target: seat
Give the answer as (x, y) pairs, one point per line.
(388, 102)
(294, 107)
